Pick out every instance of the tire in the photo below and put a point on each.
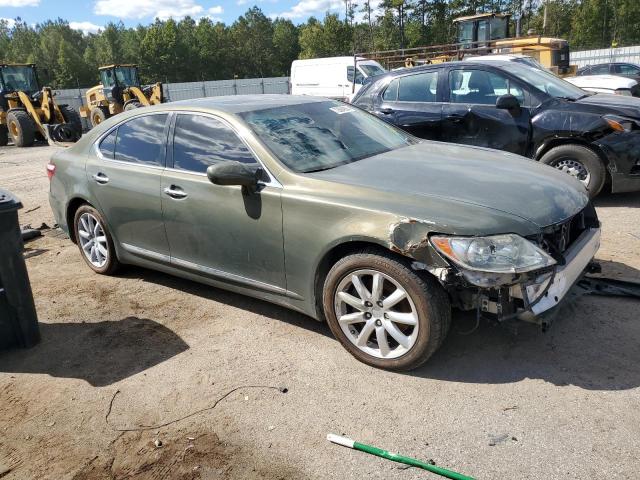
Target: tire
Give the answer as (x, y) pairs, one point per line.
(21, 128)
(72, 118)
(4, 135)
(97, 115)
(99, 261)
(426, 304)
(131, 106)
(580, 162)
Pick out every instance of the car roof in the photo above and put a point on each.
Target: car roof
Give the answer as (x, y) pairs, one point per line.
(244, 103)
(465, 64)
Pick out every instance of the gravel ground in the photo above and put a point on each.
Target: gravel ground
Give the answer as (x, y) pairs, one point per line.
(143, 349)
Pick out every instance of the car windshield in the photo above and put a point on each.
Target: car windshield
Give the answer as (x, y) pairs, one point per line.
(310, 137)
(371, 70)
(546, 82)
(19, 78)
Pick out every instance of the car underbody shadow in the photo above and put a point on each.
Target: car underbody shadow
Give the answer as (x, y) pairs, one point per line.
(237, 300)
(101, 353)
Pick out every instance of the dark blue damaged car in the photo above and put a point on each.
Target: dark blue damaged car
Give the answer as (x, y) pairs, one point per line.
(519, 109)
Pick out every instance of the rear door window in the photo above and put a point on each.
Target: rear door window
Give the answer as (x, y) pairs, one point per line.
(200, 141)
(141, 140)
(421, 87)
(599, 69)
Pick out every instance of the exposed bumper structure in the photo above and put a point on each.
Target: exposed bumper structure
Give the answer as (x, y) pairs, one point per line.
(530, 300)
(577, 258)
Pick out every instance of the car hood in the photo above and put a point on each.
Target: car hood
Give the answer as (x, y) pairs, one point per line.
(616, 104)
(440, 173)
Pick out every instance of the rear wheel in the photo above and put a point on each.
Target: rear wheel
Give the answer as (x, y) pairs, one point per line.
(4, 135)
(581, 163)
(384, 313)
(21, 128)
(94, 241)
(72, 118)
(98, 115)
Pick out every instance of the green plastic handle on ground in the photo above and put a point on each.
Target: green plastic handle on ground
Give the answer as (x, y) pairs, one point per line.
(378, 452)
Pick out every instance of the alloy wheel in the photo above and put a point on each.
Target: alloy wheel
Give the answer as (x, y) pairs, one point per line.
(376, 314)
(93, 240)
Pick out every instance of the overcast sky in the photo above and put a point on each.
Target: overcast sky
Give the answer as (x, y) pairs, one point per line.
(90, 15)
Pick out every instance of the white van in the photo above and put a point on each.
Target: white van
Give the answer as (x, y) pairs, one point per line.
(331, 77)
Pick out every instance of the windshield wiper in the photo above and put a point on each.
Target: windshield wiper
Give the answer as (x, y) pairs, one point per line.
(320, 169)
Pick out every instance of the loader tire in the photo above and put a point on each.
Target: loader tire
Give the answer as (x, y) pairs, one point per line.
(21, 128)
(98, 115)
(72, 118)
(4, 135)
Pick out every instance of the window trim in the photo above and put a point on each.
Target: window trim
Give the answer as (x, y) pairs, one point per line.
(98, 152)
(171, 134)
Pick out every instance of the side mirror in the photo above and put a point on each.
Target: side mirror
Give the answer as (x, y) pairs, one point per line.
(507, 102)
(234, 173)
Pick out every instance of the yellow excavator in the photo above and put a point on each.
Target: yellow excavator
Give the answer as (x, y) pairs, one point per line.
(120, 90)
(29, 112)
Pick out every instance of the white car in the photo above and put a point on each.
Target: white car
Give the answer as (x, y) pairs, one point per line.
(606, 84)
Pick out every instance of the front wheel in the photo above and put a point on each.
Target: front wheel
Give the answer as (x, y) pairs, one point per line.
(384, 313)
(94, 241)
(581, 163)
(21, 128)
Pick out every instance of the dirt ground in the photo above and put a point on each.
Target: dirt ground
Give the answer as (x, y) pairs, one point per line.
(144, 349)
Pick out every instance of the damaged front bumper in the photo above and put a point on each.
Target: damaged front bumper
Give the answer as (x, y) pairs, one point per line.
(531, 298)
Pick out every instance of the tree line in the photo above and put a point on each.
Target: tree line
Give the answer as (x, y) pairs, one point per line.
(258, 46)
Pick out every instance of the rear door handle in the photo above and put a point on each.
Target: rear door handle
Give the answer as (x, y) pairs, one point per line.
(100, 178)
(175, 192)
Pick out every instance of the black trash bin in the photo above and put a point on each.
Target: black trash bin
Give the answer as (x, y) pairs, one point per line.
(18, 319)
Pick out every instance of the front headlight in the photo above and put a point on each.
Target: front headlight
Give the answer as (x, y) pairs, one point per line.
(508, 253)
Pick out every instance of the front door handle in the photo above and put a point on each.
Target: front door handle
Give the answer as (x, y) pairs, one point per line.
(175, 192)
(100, 178)
(386, 110)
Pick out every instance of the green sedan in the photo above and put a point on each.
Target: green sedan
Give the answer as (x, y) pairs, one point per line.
(323, 208)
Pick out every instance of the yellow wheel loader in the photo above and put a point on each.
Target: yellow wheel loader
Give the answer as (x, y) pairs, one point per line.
(28, 112)
(120, 90)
